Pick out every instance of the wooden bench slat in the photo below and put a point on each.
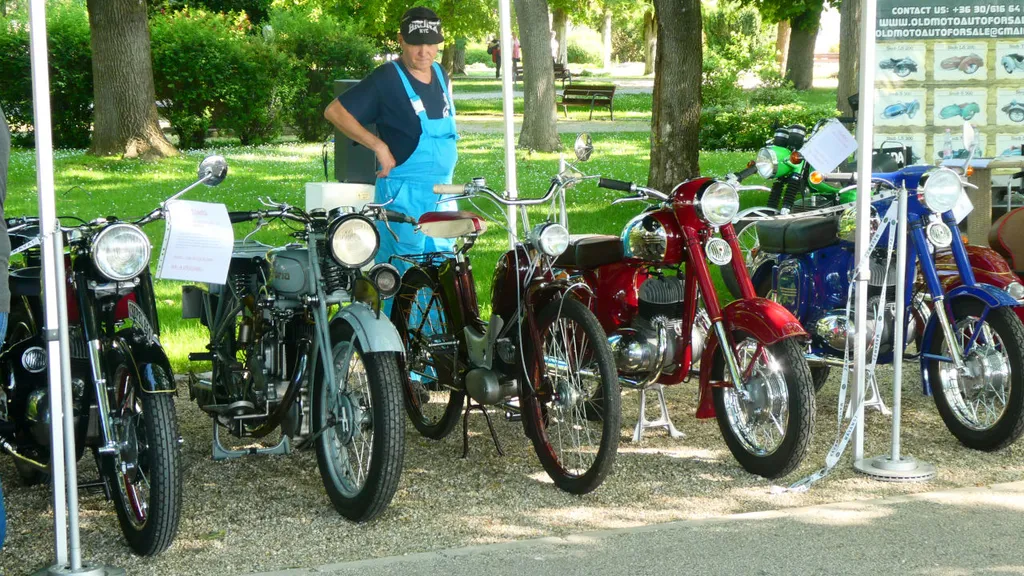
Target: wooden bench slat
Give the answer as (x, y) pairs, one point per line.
(594, 95)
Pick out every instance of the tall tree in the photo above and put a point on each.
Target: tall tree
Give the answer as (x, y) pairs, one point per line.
(675, 122)
(539, 131)
(650, 41)
(804, 17)
(125, 119)
(606, 38)
(560, 22)
(849, 54)
(782, 45)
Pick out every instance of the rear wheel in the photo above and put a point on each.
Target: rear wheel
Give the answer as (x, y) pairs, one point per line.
(362, 444)
(1017, 115)
(573, 418)
(768, 428)
(984, 407)
(431, 399)
(145, 475)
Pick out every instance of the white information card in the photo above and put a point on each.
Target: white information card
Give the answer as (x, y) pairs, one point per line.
(198, 240)
(829, 146)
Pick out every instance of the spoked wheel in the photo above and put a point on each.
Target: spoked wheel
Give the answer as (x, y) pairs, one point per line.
(983, 406)
(768, 426)
(145, 474)
(431, 400)
(362, 433)
(1016, 115)
(746, 236)
(573, 418)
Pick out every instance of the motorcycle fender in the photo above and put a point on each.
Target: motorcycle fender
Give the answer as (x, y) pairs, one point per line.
(375, 333)
(155, 374)
(990, 296)
(764, 319)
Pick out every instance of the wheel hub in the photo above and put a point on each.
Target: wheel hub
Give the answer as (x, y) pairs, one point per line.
(567, 394)
(347, 418)
(756, 399)
(986, 372)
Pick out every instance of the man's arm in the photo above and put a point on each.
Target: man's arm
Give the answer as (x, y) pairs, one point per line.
(337, 115)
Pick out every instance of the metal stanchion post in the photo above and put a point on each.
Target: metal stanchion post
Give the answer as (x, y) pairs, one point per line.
(507, 76)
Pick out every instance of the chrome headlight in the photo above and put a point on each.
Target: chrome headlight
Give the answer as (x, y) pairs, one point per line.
(719, 203)
(941, 190)
(1015, 290)
(645, 238)
(353, 240)
(767, 163)
(551, 239)
(848, 224)
(120, 251)
(386, 278)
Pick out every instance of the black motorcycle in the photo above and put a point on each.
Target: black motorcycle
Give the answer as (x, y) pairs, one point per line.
(122, 385)
(902, 67)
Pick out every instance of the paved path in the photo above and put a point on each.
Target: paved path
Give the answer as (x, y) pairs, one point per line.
(622, 86)
(491, 125)
(956, 533)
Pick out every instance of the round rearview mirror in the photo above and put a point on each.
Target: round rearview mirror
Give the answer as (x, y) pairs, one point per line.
(968, 136)
(213, 170)
(583, 147)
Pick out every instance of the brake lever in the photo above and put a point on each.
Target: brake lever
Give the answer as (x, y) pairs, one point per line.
(371, 205)
(621, 200)
(459, 197)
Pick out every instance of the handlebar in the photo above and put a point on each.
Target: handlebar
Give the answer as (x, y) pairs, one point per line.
(451, 188)
(613, 184)
(746, 173)
(394, 216)
(472, 189)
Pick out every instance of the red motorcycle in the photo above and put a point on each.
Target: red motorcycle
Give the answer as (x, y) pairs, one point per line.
(650, 285)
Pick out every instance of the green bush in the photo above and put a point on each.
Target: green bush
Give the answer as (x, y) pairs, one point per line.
(325, 50)
(192, 68)
(577, 54)
(718, 83)
(70, 67)
(264, 81)
(773, 91)
(742, 127)
(478, 56)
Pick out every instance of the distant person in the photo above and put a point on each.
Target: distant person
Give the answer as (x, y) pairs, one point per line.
(494, 49)
(516, 55)
(554, 46)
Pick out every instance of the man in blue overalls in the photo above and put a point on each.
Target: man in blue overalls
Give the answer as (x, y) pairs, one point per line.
(410, 101)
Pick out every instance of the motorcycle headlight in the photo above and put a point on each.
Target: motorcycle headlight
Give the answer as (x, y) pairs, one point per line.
(120, 252)
(719, 203)
(1015, 290)
(645, 238)
(767, 163)
(941, 190)
(552, 239)
(353, 240)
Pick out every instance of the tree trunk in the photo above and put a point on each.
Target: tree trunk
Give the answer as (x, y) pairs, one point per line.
(459, 66)
(782, 44)
(606, 40)
(849, 55)
(539, 131)
(125, 120)
(448, 57)
(800, 62)
(650, 41)
(560, 23)
(675, 118)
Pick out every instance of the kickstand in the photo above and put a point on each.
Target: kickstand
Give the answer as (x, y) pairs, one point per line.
(465, 427)
(663, 421)
(875, 400)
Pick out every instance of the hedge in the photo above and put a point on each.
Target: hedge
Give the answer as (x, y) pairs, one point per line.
(742, 127)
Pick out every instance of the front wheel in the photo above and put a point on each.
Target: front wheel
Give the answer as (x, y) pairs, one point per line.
(903, 71)
(145, 475)
(1016, 115)
(573, 416)
(768, 427)
(984, 405)
(361, 442)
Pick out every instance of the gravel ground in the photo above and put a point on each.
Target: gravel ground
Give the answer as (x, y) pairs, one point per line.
(261, 514)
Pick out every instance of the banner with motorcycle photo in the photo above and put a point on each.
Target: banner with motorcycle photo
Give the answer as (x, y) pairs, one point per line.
(943, 62)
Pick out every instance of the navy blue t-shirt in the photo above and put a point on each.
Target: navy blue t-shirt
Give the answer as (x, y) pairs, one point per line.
(380, 99)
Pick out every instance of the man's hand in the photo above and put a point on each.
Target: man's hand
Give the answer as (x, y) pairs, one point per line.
(386, 160)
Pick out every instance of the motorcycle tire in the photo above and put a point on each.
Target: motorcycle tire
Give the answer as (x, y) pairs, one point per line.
(971, 69)
(417, 284)
(949, 396)
(820, 376)
(149, 525)
(377, 394)
(596, 409)
(902, 71)
(1016, 115)
(799, 398)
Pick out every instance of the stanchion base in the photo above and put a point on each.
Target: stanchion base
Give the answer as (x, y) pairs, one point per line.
(906, 469)
(87, 569)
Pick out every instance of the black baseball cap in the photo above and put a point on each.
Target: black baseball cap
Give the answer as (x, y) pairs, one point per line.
(421, 26)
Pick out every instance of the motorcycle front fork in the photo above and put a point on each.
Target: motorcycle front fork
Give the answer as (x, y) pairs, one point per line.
(731, 364)
(109, 446)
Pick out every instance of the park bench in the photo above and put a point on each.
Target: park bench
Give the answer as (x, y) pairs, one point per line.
(593, 95)
(562, 73)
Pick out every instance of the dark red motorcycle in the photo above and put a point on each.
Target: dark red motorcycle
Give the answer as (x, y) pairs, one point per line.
(656, 301)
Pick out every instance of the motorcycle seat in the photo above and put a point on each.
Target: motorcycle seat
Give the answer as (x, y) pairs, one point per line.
(587, 251)
(451, 224)
(26, 281)
(798, 236)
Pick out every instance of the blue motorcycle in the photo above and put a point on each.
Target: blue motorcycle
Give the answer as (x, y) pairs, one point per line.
(970, 341)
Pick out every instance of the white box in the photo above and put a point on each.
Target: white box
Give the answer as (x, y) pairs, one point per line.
(329, 195)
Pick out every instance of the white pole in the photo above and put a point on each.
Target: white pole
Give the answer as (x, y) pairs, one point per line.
(898, 336)
(511, 186)
(55, 332)
(865, 130)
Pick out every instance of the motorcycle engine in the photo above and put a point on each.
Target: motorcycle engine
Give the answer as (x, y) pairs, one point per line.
(638, 349)
(831, 329)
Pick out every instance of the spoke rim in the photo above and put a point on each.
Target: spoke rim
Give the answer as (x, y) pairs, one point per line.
(760, 419)
(351, 460)
(132, 482)
(426, 320)
(979, 399)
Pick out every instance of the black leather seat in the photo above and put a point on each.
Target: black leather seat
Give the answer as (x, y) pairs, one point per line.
(590, 251)
(797, 236)
(26, 281)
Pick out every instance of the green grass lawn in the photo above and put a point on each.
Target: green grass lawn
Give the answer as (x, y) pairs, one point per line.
(90, 187)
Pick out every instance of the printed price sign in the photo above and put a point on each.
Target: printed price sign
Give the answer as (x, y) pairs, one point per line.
(198, 240)
(829, 146)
